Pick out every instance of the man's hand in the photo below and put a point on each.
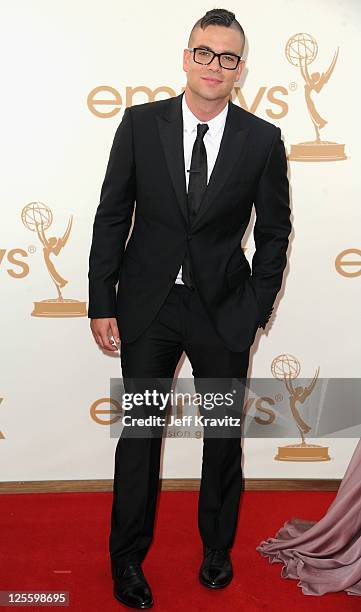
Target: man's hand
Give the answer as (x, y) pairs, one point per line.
(102, 330)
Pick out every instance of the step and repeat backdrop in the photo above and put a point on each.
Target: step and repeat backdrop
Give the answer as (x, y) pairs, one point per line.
(69, 71)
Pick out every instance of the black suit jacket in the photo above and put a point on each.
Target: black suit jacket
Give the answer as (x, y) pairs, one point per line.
(146, 166)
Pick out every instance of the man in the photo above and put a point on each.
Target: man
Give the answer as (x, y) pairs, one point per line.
(195, 165)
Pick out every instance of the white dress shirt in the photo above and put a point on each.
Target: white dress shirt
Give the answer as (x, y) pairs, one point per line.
(212, 141)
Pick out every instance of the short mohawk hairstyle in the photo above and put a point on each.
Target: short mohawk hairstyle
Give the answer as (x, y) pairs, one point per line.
(220, 17)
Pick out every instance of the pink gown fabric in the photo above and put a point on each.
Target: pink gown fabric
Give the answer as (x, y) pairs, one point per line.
(324, 556)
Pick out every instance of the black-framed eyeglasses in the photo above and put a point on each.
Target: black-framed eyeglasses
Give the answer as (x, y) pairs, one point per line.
(229, 61)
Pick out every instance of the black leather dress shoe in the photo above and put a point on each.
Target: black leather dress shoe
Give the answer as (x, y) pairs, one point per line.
(216, 570)
(131, 587)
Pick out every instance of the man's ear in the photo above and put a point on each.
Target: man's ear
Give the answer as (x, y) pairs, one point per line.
(240, 69)
(239, 72)
(186, 57)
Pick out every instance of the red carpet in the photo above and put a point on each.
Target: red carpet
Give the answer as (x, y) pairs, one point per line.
(59, 542)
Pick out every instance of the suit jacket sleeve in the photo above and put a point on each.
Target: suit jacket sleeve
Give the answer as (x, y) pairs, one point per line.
(271, 230)
(112, 223)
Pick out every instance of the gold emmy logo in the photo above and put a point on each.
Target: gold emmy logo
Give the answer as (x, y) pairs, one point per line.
(115, 409)
(38, 217)
(301, 50)
(287, 368)
(349, 267)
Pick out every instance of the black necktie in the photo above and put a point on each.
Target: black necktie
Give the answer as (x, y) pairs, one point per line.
(196, 187)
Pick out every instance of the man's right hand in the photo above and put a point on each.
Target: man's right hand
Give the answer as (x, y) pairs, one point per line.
(103, 330)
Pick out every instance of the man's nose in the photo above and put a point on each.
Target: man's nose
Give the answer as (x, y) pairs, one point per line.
(214, 64)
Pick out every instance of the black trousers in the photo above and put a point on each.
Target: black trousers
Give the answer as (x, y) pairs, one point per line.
(182, 324)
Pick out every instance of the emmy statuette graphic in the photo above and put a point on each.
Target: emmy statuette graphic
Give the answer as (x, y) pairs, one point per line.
(301, 50)
(287, 368)
(38, 217)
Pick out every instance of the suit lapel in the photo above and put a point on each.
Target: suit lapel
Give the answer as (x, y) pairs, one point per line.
(231, 148)
(170, 126)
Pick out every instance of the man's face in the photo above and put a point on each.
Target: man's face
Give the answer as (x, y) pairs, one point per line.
(213, 82)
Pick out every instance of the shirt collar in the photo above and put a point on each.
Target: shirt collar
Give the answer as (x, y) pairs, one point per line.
(190, 121)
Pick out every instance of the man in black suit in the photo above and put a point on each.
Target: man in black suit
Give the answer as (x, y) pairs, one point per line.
(195, 165)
